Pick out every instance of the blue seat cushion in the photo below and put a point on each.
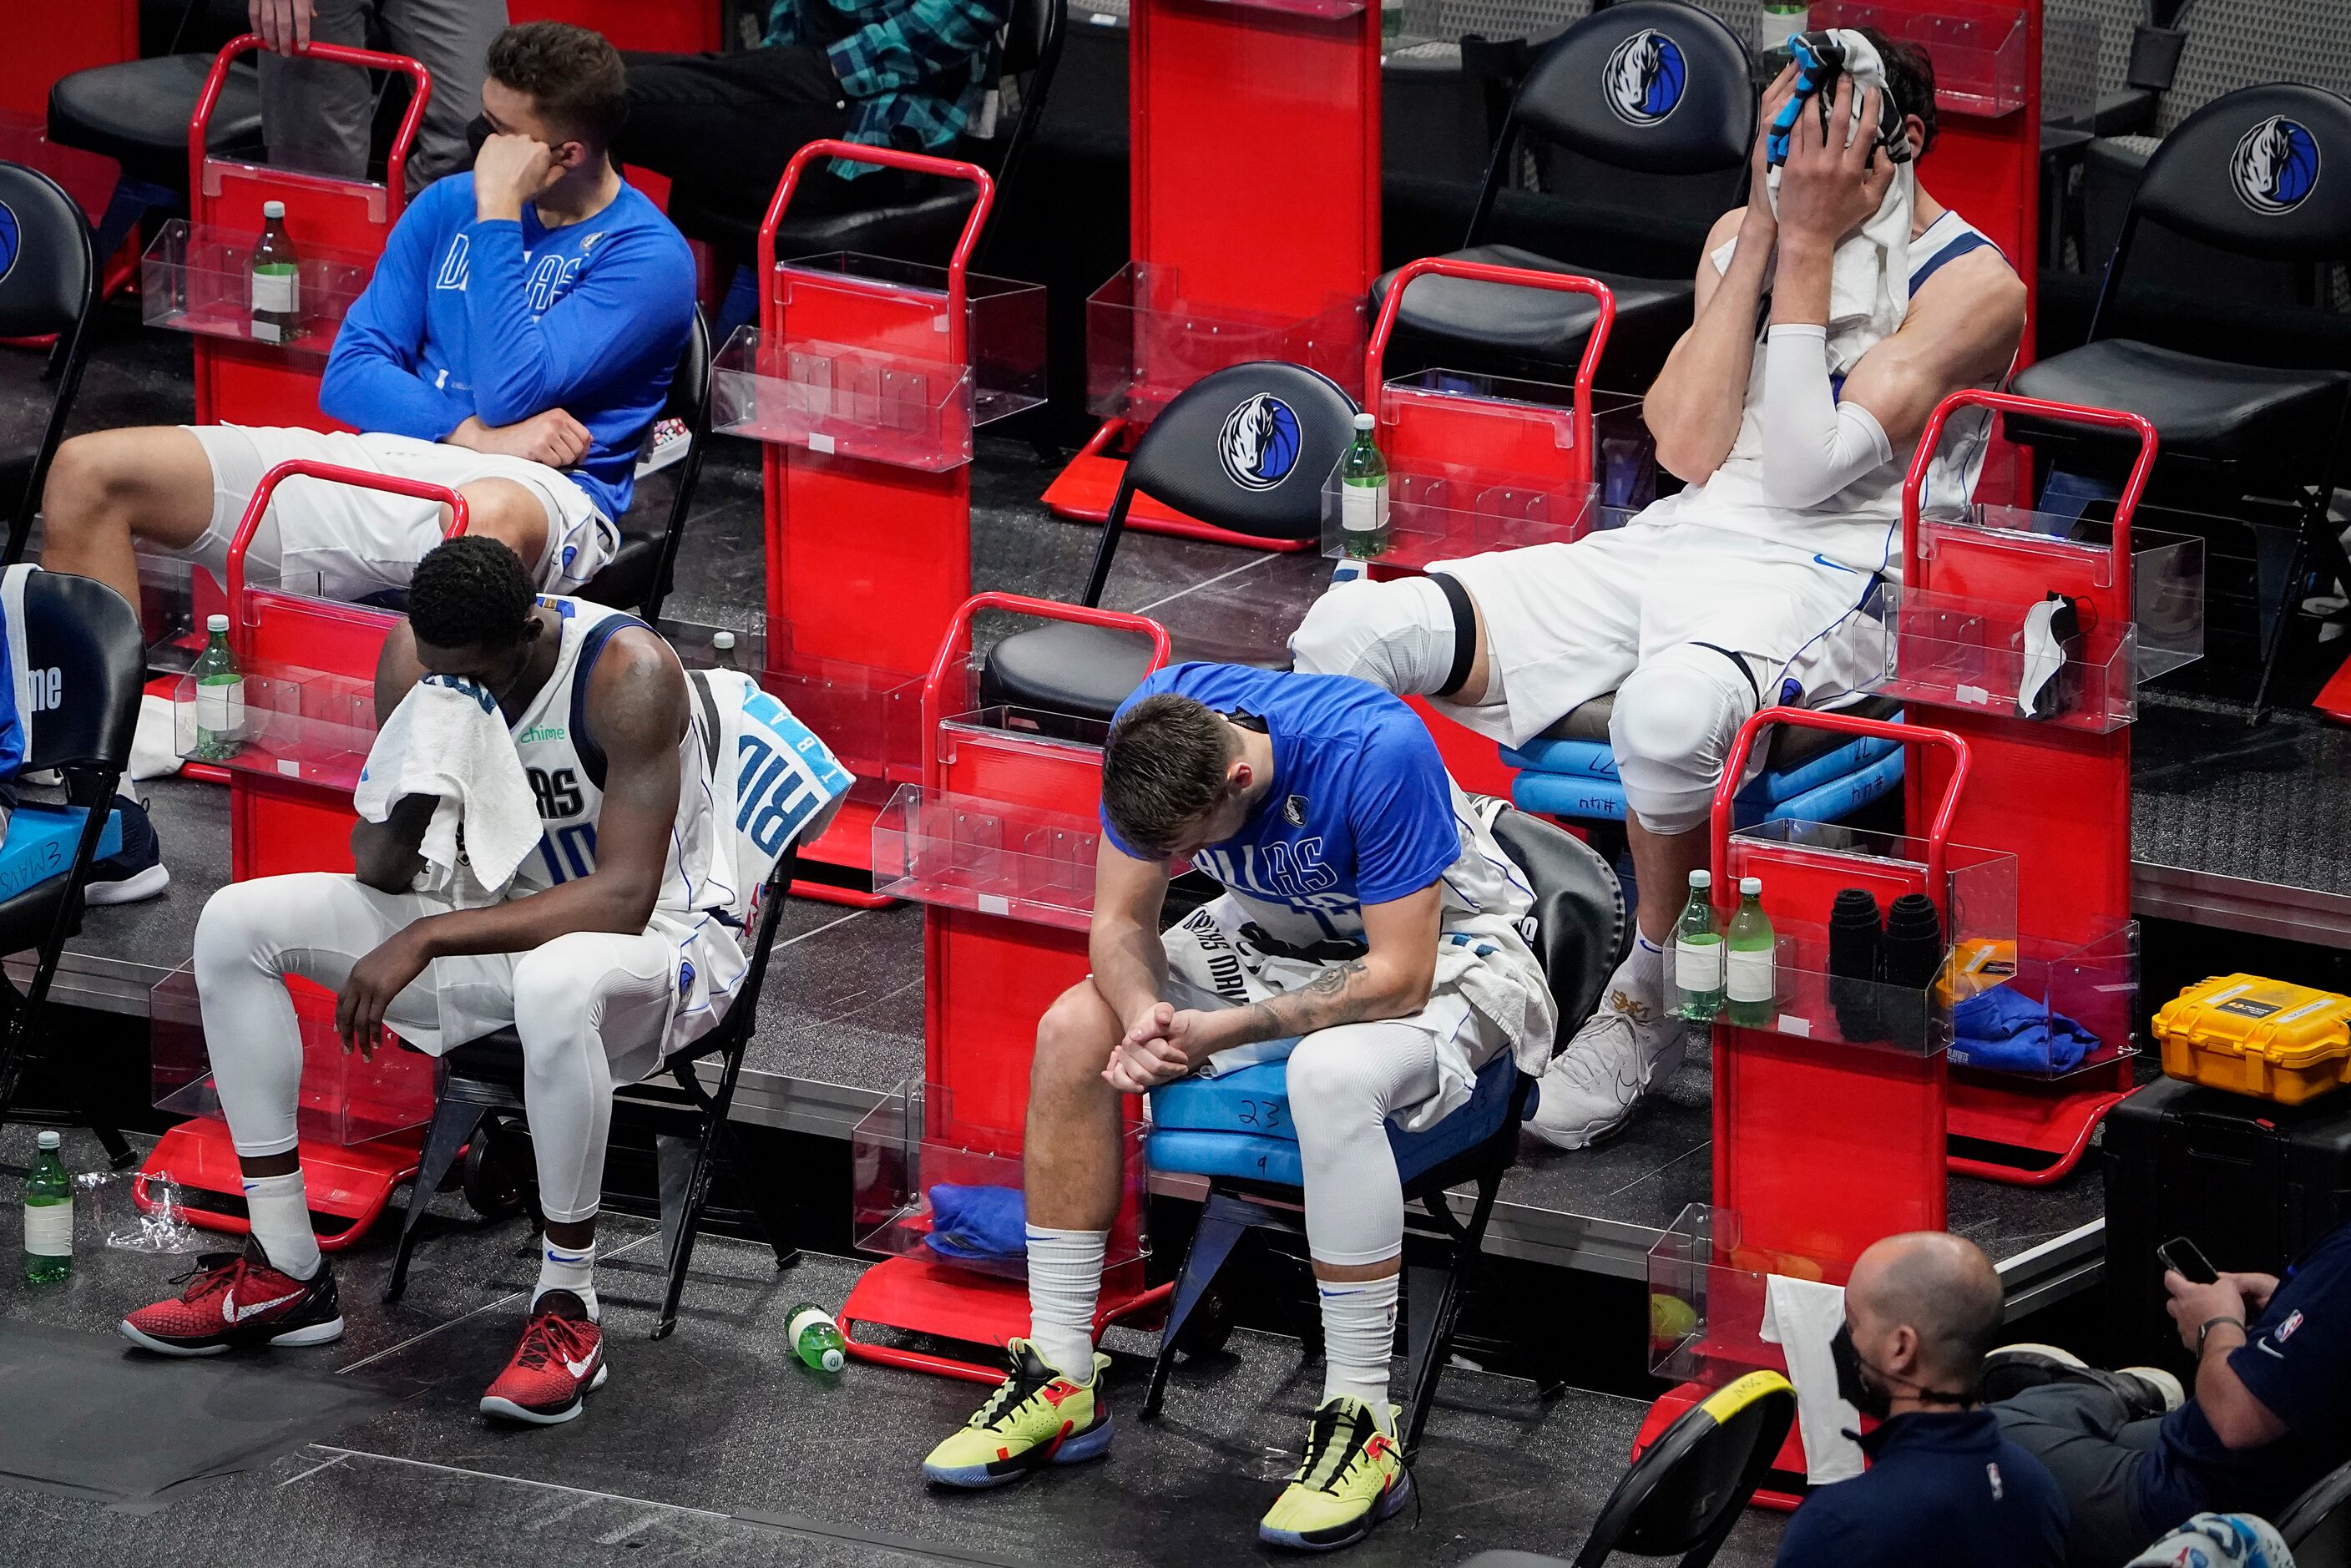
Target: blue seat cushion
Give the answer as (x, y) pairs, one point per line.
(40, 844)
(1239, 1125)
(1589, 797)
(1586, 759)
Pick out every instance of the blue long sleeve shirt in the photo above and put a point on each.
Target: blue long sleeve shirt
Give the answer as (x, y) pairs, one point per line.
(502, 319)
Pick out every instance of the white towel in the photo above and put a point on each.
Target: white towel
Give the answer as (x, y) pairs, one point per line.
(447, 739)
(1869, 276)
(1801, 1316)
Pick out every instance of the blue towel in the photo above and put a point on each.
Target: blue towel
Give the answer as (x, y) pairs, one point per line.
(977, 1224)
(2009, 1032)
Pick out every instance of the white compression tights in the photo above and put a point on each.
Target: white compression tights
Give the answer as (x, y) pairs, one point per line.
(579, 1001)
(1345, 1083)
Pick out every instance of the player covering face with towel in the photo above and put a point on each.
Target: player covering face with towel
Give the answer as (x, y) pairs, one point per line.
(1833, 312)
(1370, 930)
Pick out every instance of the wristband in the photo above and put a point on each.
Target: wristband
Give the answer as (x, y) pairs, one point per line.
(2204, 1329)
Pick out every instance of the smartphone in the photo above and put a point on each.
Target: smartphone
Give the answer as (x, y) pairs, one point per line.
(2189, 1260)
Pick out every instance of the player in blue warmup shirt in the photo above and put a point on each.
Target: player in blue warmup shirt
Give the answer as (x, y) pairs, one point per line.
(516, 343)
(2270, 1412)
(1370, 929)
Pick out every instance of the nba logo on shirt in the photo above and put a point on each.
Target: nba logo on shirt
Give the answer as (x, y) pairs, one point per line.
(2285, 1330)
(1293, 810)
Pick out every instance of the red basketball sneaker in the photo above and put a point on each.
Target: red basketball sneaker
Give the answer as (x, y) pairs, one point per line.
(559, 1360)
(233, 1300)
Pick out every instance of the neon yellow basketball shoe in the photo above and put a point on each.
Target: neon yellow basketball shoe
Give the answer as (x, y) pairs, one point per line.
(1036, 1418)
(1353, 1478)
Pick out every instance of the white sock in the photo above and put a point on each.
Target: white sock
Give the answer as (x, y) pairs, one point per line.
(280, 1212)
(1358, 1338)
(568, 1268)
(1065, 1271)
(1641, 978)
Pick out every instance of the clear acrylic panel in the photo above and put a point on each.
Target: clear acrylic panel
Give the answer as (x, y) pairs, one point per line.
(1946, 651)
(907, 301)
(196, 277)
(989, 856)
(928, 1183)
(839, 399)
(1978, 46)
(2062, 1007)
(1708, 1295)
(1146, 340)
(290, 723)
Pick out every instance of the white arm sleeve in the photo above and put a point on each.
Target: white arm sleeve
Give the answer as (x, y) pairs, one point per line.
(1813, 446)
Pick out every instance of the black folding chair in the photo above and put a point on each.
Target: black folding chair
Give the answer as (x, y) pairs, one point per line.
(639, 576)
(1652, 96)
(1686, 1491)
(2252, 173)
(48, 285)
(1265, 480)
(482, 1079)
(2317, 1524)
(85, 665)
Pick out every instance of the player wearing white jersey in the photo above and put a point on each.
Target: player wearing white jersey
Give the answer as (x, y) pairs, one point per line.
(607, 954)
(1750, 587)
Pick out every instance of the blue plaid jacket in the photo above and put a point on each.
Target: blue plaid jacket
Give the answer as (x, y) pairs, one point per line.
(916, 70)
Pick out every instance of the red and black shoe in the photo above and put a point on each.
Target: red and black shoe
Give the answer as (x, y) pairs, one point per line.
(561, 1357)
(235, 1298)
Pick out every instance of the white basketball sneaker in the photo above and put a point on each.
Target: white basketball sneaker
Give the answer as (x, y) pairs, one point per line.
(1590, 1089)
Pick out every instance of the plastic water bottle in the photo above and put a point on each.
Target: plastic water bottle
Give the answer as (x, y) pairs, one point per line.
(1751, 978)
(1698, 953)
(220, 697)
(1363, 494)
(815, 1338)
(48, 1217)
(277, 276)
(1391, 23)
(721, 650)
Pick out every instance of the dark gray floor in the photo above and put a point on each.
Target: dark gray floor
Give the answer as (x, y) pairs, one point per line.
(714, 1445)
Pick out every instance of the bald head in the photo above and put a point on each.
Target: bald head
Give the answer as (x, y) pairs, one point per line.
(1939, 1287)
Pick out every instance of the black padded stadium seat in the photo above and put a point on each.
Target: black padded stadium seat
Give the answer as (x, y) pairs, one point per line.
(2202, 408)
(137, 113)
(2252, 173)
(1789, 745)
(1286, 423)
(48, 287)
(1650, 88)
(638, 577)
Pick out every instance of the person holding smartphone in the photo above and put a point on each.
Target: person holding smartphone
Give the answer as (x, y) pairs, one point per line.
(2266, 1418)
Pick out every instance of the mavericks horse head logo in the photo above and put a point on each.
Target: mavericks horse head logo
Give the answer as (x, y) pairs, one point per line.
(1259, 444)
(2275, 166)
(1645, 77)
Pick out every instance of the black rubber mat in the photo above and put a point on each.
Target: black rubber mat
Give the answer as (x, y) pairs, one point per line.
(91, 1415)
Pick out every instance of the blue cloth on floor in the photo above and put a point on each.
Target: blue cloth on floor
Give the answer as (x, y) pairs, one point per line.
(2010, 1033)
(977, 1224)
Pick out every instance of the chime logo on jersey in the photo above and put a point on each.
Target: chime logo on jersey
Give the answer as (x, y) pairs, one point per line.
(1259, 444)
(1645, 77)
(12, 240)
(2275, 166)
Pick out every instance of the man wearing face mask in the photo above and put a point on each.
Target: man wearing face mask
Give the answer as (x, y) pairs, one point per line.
(1943, 1487)
(515, 344)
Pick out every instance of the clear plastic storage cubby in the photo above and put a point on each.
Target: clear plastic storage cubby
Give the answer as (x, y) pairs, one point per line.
(990, 856)
(198, 278)
(2065, 1007)
(1709, 1296)
(1501, 483)
(345, 1098)
(926, 1183)
(1146, 340)
(1978, 46)
(864, 364)
(871, 719)
(1958, 650)
(314, 725)
(1802, 865)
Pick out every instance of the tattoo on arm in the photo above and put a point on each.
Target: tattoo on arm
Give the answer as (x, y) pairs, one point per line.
(1338, 994)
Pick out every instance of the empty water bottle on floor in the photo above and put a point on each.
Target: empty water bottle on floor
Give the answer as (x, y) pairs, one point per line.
(48, 1217)
(815, 1338)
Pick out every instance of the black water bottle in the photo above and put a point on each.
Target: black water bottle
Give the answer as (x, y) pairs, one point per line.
(1854, 932)
(1913, 946)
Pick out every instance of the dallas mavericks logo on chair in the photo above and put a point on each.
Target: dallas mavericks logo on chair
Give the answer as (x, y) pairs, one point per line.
(1645, 77)
(1259, 445)
(2275, 166)
(11, 240)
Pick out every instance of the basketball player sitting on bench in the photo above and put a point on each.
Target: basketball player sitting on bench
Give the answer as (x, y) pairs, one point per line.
(606, 954)
(1742, 591)
(1370, 918)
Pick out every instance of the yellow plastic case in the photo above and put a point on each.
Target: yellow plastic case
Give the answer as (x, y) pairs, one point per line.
(2254, 1036)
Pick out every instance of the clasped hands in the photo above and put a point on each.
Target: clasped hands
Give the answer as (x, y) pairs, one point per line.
(1165, 1043)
